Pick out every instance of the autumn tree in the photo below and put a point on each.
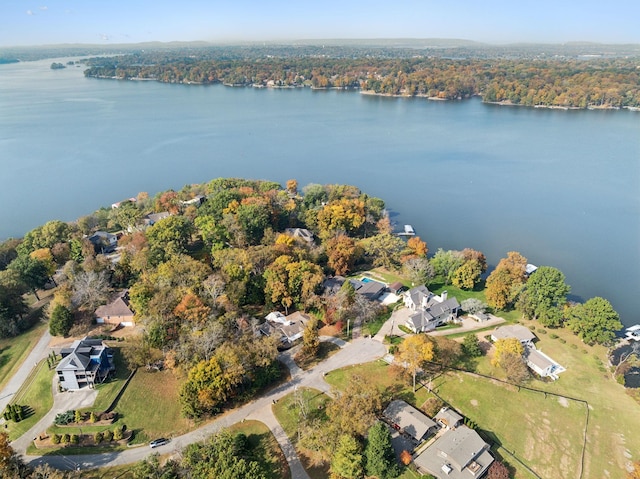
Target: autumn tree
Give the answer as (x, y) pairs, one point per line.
(414, 352)
(469, 254)
(192, 309)
(347, 461)
(514, 367)
(467, 276)
(290, 282)
(341, 216)
(635, 474)
(311, 339)
(416, 248)
(505, 282)
(506, 346)
(12, 304)
(384, 250)
(11, 464)
(543, 296)
(341, 253)
(473, 305)
(594, 321)
(498, 470)
(292, 186)
(380, 458)
(356, 408)
(167, 201)
(45, 236)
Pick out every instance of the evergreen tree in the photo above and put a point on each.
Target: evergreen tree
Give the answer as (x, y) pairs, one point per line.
(61, 320)
(380, 458)
(347, 460)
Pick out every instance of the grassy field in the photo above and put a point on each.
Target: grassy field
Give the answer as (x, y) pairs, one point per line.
(108, 391)
(150, 406)
(13, 351)
(545, 432)
(35, 393)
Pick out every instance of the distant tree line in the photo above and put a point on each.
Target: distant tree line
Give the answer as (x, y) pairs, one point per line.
(562, 82)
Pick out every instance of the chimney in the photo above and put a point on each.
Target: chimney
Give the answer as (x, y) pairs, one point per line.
(443, 295)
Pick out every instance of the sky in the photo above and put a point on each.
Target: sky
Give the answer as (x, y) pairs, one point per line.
(46, 22)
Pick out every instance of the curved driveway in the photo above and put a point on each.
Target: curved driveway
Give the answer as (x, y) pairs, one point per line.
(357, 352)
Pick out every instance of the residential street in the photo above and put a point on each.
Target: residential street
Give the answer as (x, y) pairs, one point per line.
(39, 352)
(357, 352)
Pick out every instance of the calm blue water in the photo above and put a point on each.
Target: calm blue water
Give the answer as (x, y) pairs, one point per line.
(561, 187)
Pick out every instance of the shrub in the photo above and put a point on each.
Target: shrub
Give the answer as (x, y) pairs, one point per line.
(56, 438)
(574, 346)
(405, 457)
(75, 439)
(93, 417)
(563, 341)
(64, 418)
(542, 331)
(117, 433)
(77, 416)
(108, 435)
(532, 327)
(553, 336)
(97, 437)
(66, 438)
(393, 349)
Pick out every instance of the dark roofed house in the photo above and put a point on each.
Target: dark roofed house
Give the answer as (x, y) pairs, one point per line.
(333, 284)
(117, 311)
(153, 218)
(369, 289)
(86, 363)
(103, 242)
(290, 327)
(396, 288)
(459, 453)
(407, 419)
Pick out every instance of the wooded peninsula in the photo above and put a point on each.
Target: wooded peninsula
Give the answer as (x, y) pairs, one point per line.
(563, 78)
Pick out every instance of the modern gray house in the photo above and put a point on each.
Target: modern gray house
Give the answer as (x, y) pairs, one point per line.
(86, 363)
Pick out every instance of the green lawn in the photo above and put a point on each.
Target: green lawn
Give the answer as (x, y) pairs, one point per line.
(35, 393)
(108, 391)
(13, 351)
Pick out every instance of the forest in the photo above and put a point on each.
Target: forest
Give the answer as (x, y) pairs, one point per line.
(510, 76)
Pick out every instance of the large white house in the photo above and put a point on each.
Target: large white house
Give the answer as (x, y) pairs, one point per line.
(430, 310)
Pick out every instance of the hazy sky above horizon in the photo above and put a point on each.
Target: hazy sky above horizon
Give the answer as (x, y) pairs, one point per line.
(41, 22)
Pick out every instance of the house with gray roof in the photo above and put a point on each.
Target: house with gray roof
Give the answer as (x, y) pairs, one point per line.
(408, 420)
(86, 363)
(516, 331)
(300, 233)
(448, 418)
(542, 364)
(430, 310)
(458, 453)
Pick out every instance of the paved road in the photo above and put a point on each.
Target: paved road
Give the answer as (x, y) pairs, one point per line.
(39, 352)
(357, 352)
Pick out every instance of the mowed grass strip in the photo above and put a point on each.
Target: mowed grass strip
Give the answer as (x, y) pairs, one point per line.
(541, 430)
(13, 351)
(150, 406)
(36, 394)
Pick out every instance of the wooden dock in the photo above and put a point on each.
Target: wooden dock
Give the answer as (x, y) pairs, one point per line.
(408, 231)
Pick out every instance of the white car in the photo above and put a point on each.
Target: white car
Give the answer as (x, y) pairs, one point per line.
(158, 442)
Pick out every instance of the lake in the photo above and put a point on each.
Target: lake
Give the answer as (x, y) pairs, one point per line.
(561, 187)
